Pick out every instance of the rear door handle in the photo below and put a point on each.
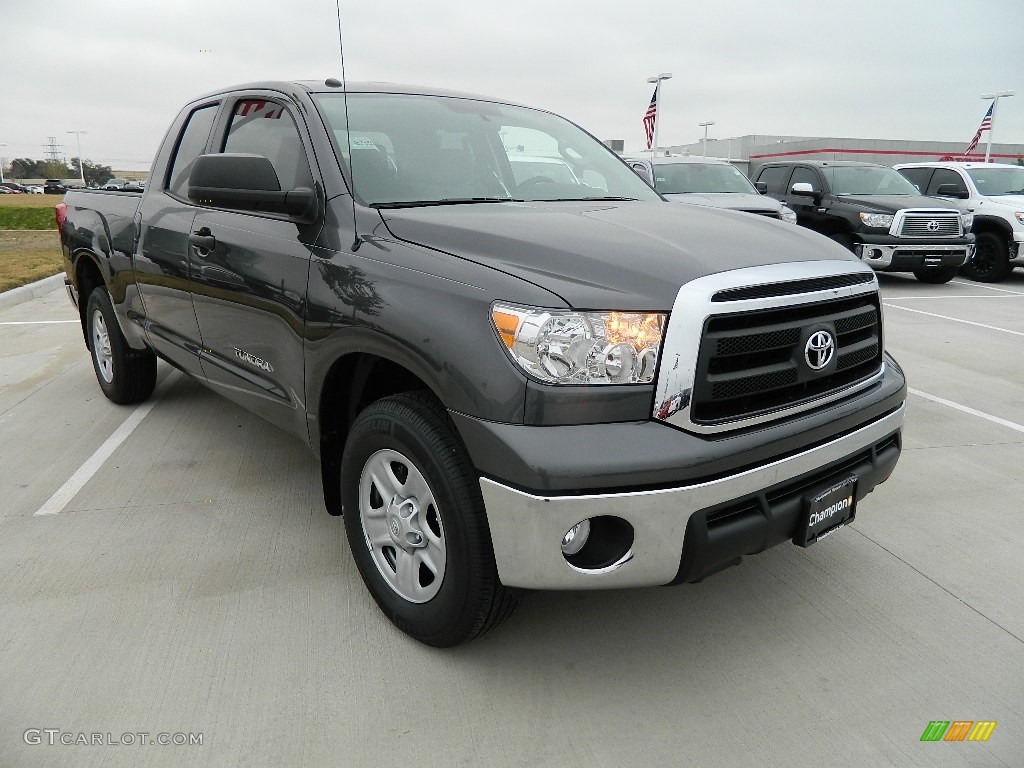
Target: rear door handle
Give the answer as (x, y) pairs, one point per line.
(203, 241)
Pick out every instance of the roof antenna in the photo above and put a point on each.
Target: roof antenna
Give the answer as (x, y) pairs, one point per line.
(348, 134)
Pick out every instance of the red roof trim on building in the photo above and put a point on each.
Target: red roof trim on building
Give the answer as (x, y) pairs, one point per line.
(980, 157)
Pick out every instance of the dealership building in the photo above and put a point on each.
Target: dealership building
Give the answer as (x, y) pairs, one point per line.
(749, 152)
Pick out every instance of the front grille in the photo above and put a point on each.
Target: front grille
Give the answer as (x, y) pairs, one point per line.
(752, 363)
(933, 224)
(808, 285)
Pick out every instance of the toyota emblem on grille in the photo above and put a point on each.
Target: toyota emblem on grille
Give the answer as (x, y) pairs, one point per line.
(819, 350)
(932, 226)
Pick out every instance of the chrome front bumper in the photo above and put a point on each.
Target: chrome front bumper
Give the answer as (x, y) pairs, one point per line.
(527, 530)
(881, 257)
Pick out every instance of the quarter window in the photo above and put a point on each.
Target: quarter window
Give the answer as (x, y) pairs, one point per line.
(192, 145)
(775, 177)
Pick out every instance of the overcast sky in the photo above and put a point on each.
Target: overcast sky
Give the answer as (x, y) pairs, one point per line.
(900, 69)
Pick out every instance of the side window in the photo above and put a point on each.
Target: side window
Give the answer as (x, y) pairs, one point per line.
(918, 177)
(265, 128)
(806, 176)
(945, 176)
(190, 146)
(775, 177)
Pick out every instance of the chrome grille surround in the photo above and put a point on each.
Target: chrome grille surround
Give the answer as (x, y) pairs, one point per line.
(915, 223)
(693, 307)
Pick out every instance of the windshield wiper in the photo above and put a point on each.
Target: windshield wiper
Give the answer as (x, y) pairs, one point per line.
(446, 201)
(578, 199)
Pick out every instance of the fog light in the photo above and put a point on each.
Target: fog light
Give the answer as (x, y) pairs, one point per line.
(575, 538)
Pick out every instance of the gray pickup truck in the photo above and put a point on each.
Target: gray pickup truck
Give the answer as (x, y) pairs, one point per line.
(560, 382)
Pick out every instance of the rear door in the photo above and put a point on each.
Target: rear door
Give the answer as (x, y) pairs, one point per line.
(162, 256)
(249, 288)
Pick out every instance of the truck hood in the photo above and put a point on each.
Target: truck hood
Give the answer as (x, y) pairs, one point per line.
(893, 203)
(1016, 202)
(608, 255)
(732, 201)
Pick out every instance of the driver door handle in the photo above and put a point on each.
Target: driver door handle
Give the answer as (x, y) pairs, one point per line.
(203, 241)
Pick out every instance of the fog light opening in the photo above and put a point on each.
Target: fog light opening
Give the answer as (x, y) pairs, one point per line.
(598, 543)
(576, 537)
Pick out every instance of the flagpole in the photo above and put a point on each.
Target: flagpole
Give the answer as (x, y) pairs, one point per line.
(992, 123)
(657, 107)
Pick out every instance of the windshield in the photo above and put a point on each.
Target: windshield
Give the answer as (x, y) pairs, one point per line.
(867, 180)
(681, 178)
(421, 150)
(1005, 180)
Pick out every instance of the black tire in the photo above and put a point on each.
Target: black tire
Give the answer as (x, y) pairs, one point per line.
(991, 261)
(470, 600)
(124, 374)
(936, 276)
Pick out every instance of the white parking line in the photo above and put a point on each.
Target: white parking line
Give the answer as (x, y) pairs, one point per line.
(959, 296)
(986, 287)
(38, 322)
(966, 409)
(92, 465)
(953, 319)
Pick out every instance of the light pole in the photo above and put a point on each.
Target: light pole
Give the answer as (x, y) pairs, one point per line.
(992, 123)
(81, 167)
(2, 165)
(705, 127)
(657, 106)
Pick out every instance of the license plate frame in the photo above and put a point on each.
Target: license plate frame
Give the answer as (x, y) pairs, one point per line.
(827, 509)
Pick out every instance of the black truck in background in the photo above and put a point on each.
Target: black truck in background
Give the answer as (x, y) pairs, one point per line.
(876, 213)
(542, 384)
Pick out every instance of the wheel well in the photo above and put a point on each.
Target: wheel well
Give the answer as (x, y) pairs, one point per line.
(996, 226)
(87, 278)
(353, 382)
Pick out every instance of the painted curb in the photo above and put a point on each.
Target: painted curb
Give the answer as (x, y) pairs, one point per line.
(31, 291)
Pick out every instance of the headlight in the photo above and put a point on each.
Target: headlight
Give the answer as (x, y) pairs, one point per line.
(787, 214)
(1019, 215)
(877, 219)
(967, 221)
(566, 347)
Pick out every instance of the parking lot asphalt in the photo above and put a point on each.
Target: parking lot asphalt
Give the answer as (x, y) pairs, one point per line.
(183, 577)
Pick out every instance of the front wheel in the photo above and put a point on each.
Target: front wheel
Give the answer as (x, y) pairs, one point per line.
(936, 276)
(124, 374)
(991, 262)
(416, 523)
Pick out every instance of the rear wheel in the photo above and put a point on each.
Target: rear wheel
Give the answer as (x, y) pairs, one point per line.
(416, 523)
(124, 374)
(991, 261)
(936, 276)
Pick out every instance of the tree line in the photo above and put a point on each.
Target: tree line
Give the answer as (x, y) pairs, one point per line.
(26, 168)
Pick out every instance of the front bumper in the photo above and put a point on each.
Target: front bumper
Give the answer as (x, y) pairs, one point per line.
(686, 532)
(1017, 248)
(906, 258)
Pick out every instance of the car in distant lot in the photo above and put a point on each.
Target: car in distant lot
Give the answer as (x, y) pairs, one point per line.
(116, 184)
(54, 187)
(35, 189)
(16, 189)
(876, 213)
(995, 193)
(710, 182)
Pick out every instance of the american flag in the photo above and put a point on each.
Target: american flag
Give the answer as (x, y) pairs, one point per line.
(986, 124)
(650, 116)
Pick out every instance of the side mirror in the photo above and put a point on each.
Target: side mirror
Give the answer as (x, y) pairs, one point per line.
(248, 182)
(952, 190)
(761, 187)
(803, 189)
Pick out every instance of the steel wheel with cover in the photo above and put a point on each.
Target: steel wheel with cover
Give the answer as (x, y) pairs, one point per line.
(124, 374)
(991, 262)
(416, 523)
(936, 275)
